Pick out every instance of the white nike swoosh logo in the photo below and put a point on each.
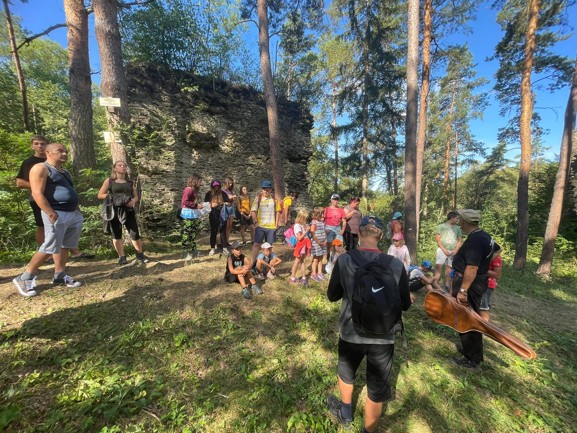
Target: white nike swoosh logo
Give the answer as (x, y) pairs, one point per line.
(377, 290)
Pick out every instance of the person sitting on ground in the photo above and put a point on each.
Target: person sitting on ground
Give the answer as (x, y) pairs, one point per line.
(418, 277)
(266, 261)
(399, 250)
(337, 249)
(238, 271)
(494, 273)
(124, 198)
(352, 348)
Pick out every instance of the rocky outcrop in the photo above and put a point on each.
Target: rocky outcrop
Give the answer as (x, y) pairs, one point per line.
(184, 124)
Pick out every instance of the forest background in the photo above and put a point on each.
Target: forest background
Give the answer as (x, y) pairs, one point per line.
(346, 61)
(147, 350)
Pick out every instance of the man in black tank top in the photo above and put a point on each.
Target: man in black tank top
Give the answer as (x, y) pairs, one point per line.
(53, 191)
(38, 144)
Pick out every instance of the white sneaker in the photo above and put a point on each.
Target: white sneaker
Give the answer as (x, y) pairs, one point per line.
(25, 287)
(211, 253)
(260, 276)
(67, 281)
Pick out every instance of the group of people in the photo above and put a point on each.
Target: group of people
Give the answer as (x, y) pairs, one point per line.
(473, 266)
(55, 206)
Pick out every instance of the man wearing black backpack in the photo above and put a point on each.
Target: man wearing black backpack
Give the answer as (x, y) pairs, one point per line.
(374, 290)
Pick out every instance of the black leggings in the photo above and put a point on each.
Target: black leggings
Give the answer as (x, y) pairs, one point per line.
(215, 228)
(351, 240)
(131, 225)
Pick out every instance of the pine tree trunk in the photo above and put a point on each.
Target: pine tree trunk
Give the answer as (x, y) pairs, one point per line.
(334, 134)
(561, 179)
(411, 127)
(270, 100)
(424, 98)
(80, 122)
(113, 77)
(19, 73)
(525, 134)
(447, 166)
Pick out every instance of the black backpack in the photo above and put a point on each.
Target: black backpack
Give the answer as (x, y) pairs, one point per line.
(376, 302)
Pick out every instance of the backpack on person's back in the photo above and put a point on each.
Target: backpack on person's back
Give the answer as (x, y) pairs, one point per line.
(376, 301)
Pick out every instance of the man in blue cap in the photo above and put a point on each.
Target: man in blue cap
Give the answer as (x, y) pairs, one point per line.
(263, 212)
(419, 278)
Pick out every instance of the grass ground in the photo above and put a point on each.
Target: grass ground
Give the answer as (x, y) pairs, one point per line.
(172, 348)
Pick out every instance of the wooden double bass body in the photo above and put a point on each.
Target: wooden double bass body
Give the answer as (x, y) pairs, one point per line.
(444, 309)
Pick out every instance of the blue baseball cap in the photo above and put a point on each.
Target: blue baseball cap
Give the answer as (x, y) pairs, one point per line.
(266, 184)
(397, 215)
(426, 264)
(371, 219)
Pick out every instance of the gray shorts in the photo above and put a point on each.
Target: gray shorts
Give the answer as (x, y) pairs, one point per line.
(64, 233)
(333, 232)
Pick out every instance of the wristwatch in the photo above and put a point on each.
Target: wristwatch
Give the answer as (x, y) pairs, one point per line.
(463, 291)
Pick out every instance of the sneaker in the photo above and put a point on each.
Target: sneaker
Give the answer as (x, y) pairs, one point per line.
(271, 275)
(211, 253)
(142, 258)
(67, 281)
(304, 281)
(260, 276)
(257, 290)
(188, 257)
(294, 281)
(464, 362)
(25, 287)
(122, 261)
(334, 405)
(246, 293)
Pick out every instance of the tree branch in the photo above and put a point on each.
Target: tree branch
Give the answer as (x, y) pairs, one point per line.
(44, 33)
(122, 4)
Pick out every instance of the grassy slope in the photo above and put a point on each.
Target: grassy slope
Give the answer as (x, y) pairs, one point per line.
(169, 348)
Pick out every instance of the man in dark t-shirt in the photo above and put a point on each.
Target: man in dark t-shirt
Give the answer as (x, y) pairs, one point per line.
(38, 144)
(471, 264)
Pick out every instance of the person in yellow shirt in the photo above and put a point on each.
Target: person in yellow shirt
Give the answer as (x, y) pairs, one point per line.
(245, 216)
(264, 213)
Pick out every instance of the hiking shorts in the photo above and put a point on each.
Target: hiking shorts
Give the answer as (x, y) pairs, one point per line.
(262, 235)
(379, 364)
(442, 259)
(333, 232)
(37, 214)
(64, 233)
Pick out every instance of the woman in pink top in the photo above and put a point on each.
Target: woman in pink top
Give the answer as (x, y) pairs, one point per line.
(335, 221)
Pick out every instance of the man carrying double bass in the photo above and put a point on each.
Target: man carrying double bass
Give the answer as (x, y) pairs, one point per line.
(471, 266)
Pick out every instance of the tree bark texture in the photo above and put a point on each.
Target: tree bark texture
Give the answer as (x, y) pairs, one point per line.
(18, 66)
(525, 133)
(334, 133)
(423, 104)
(80, 122)
(270, 100)
(113, 76)
(411, 128)
(561, 179)
(365, 110)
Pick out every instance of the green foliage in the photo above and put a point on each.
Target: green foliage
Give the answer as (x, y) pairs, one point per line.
(45, 69)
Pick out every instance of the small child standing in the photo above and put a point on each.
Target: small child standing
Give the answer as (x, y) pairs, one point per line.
(399, 250)
(238, 271)
(266, 260)
(302, 247)
(336, 250)
(319, 244)
(494, 273)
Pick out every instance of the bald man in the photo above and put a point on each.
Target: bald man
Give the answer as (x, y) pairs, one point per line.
(53, 191)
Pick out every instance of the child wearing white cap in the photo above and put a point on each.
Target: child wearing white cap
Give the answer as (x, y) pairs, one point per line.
(266, 259)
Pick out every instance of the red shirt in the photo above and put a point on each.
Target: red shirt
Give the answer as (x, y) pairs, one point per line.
(334, 216)
(495, 263)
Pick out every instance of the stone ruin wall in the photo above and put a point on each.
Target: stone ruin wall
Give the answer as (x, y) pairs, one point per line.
(185, 124)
